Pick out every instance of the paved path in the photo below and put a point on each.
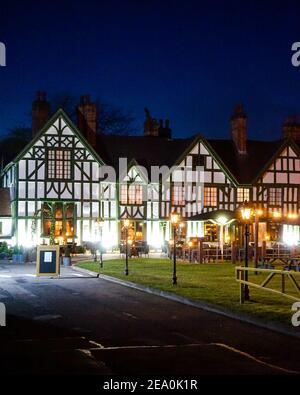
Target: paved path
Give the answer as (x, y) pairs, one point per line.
(104, 327)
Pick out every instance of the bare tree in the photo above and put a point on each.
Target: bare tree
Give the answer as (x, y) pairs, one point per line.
(13, 143)
(114, 120)
(111, 119)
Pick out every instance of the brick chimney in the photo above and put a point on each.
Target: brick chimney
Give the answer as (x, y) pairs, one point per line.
(87, 119)
(291, 128)
(40, 112)
(154, 128)
(239, 129)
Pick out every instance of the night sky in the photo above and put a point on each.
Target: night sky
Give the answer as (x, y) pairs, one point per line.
(190, 61)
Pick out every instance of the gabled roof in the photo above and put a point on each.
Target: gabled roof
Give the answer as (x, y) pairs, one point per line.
(246, 167)
(5, 209)
(59, 113)
(146, 151)
(150, 151)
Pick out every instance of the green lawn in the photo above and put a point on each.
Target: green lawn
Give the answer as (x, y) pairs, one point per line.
(213, 283)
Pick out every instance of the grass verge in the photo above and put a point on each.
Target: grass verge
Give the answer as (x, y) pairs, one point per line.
(212, 283)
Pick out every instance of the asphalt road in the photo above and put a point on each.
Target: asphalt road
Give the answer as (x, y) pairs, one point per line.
(84, 325)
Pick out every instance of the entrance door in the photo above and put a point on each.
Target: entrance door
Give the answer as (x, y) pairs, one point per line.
(58, 222)
(136, 231)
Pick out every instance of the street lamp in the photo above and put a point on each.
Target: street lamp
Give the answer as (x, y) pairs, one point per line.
(126, 226)
(174, 222)
(246, 212)
(257, 214)
(100, 224)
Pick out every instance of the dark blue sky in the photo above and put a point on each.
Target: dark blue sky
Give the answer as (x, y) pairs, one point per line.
(190, 61)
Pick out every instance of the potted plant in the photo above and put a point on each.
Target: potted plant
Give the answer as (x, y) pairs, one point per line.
(3, 251)
(67, 257)
(18, 254)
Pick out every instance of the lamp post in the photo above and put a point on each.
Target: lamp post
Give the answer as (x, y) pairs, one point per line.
(246, 212)
(174, 222)
(95, 252)
(126, 226)
(258, 213)
(100, 224)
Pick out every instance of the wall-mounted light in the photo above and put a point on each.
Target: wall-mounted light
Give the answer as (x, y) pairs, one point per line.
(292, 216)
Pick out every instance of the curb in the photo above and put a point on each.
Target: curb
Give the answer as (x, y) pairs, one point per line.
(190, 302)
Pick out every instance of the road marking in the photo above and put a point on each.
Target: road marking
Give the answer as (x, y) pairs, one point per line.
(242, 353)
(249, 356)
(5, 276)
(96, 344)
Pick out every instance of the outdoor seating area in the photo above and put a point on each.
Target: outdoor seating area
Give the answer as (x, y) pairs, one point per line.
(275, 255)
(135, 249)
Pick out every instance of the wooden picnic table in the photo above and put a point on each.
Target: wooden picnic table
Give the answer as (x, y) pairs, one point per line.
(286, 260)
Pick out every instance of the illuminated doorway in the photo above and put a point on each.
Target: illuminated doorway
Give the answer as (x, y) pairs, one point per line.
(58, 222)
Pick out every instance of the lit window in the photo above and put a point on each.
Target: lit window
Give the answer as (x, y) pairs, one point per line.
(132, 194)
(61, 217)
(178, 196)
(210, 196)
(123, 194)
(59, 164)
(243, 194)
(138, 194)
(275, 196)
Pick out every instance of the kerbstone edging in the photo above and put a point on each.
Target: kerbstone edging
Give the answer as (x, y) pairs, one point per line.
(200, 305)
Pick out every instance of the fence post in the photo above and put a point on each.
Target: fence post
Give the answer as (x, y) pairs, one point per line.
(200, 248)
(263, 250)
(242, 286)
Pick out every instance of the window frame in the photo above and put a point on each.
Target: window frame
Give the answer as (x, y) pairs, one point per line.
(178, 191)
(244, 198)
(64, 218)
(131, 194)
(275, 195)
(210, 198)
(59, 164)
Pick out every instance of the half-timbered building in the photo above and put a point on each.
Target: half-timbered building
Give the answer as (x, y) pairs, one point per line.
(58, 186)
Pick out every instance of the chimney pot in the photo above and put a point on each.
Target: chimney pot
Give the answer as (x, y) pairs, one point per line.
(152, 127)
(239, 129)
(40, 112)
(87, 119)
(291, 128)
